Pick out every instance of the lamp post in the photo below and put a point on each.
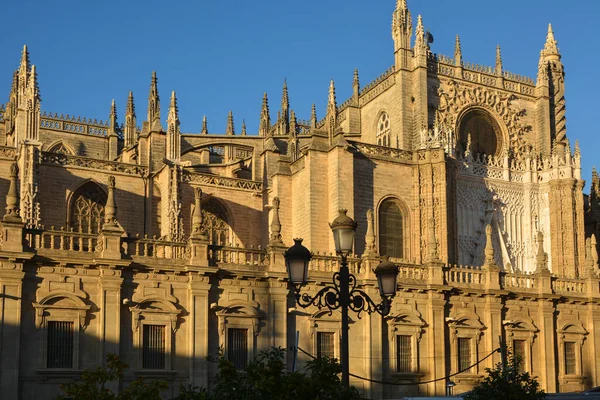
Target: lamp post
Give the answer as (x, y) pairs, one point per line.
(343, 292)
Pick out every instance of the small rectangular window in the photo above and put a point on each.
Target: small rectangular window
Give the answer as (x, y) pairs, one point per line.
(237, 347)
(325, 345)
(60, 344)
(519, 352)
(570, 359)
(464, 354)
(404, 353)
(154, 347)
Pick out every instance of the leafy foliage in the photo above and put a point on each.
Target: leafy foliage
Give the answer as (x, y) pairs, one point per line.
(93, 384)
(265, 377)
(507, 384)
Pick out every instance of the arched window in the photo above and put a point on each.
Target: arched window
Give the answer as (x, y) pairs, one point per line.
(215, 222)
(383, 130)
(391, 229)
(87, 208)
(485, 133)
(60, 148)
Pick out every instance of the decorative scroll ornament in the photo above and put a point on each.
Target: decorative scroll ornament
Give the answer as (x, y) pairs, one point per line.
(455, 98)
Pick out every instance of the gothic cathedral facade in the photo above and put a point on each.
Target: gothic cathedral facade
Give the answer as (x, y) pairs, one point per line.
(164, 247)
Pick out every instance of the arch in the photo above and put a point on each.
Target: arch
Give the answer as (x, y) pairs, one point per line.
(216, 221)
(574, 327)
(393, 228)
(86, 204)
(77, 310)
(383, 129)
(485, 131)
(60, 147)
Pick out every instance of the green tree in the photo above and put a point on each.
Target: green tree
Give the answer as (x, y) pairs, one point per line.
(266, 377)
(93, 384)
(507, 384)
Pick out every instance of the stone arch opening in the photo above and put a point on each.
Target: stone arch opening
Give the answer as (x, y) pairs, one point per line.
(484, 131)
(86, 214)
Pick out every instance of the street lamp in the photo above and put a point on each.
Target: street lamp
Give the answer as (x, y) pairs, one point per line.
(343, 292)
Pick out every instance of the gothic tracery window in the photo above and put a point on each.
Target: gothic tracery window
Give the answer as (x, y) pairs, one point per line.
(391, 229)
(87, 208)
(215, 222)
(60, 148)
(383, 130)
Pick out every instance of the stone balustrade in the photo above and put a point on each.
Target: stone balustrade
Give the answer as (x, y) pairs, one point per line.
(147, 251)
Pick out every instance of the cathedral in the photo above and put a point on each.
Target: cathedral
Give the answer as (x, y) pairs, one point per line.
(166, 247)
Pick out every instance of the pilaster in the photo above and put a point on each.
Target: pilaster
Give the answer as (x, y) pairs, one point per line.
(198, 335)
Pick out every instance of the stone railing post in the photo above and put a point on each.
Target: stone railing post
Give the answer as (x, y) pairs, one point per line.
(12, 224)
(109, 241)
(490, 268)
(276, 248)
(543, 276)
(198, 242)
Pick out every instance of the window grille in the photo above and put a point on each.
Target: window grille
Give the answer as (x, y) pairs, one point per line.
(519, 351)
(237, 347)
(325, 345)
(154, 347)
(391, 230)
(60, 344)
(383, 130)
(403, 353)
(87, 209)
(464, 353)
(570, 359)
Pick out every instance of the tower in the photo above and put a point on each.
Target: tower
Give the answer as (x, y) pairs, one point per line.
(401, 33)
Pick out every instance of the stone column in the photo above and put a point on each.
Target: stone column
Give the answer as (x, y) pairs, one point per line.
(109, 241)
(11, 286)
(198, 350)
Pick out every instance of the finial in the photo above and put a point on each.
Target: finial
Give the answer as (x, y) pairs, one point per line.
(489, 247)
(275, 237)
(498, 61)
(551, 45)
(313, 116)
(197, 219)
(112, 117)
(243, 127)
(130, 106)
(331, 99)
(173, 111)
(285, 101)
(230, 129)
(355, 87)
(265, 118)
(113, 108)
(154, 104)
(204, 130)
(432, 245)
(24, 66)
(457, 52)
(12, 197)
(110, 211)
(293, 123)
(541, 257)
(420, 39)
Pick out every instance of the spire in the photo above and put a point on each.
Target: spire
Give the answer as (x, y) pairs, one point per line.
(173, 131)
(154, 105)
(331, 116)
(293, 124)
(355, 87)
(265, 118)
(130, 122)
(24, 67)
(498, 61)
(457, 52)
(230, 129)
(285, 101)
(204, 130)
(313, 116)
(551, 46)
(401, 32)
(420, 39)
(243, 127)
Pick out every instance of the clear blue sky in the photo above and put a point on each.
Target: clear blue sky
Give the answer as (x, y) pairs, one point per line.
(221, 55)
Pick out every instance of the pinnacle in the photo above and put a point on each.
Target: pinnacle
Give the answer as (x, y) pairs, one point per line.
(498, 60)
(130, 104)
(204, 126)
(331, 92)
(285, 101)
(230, 128)
(173, 106)
(25, 59)
(113, 108)
(356, 82)
(551, 46)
